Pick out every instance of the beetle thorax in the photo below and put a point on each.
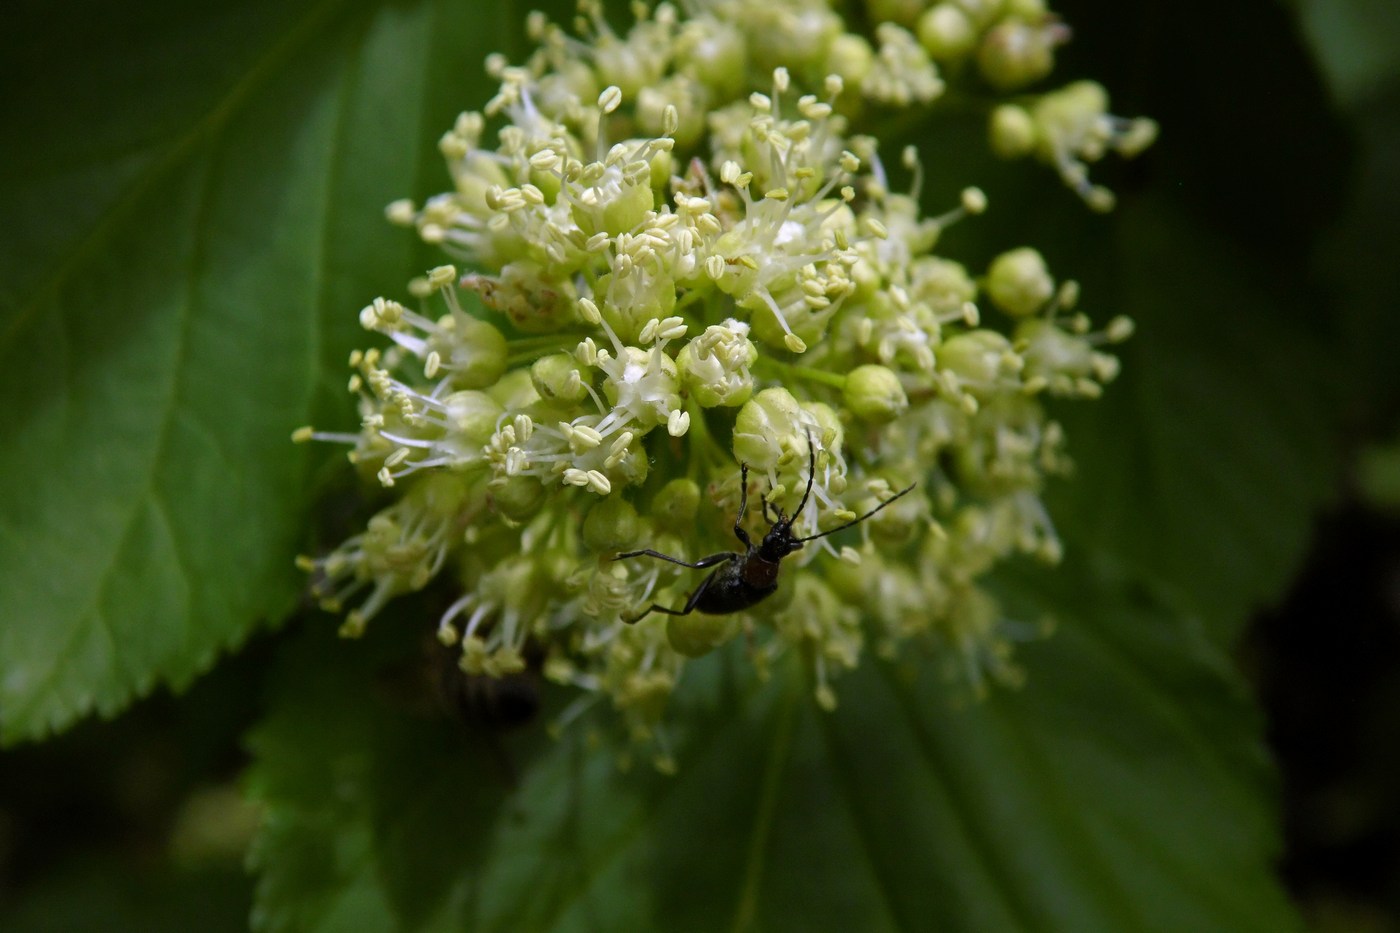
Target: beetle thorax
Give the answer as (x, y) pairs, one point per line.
(778, 542)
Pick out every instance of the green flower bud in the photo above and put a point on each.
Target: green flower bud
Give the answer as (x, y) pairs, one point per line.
(471, 418)
(1015, 53)
(796, 37)
(519, 497)
(629, 301)
(622, 208)
(763, 424)
(874, 394)
(690, 99)
(611, 525)
(677, 503)
(715, 53)
(1012, 132)
(477, 355)
(557, 378)
(697, 635)
(946, 32)
(942, 284)
(979, 358)
(514, 391)
(851, 57)
(1018, 282)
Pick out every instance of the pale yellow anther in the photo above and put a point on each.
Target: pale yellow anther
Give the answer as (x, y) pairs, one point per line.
(620, 445)
(584, 437)
(386, 478)
(974, 201)
(1068, 295)
(400, 213)
(599, 483)
(440, 276)
(610, 99)
(432, 365)
(302, 435)
(678, 423)
(1120, 329)
(795, 343)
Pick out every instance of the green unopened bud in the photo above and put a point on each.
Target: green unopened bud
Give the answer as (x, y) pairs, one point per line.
(619, 212)
(978, 358)
(874, 394)
(851, 57)
(697, 635)
(630, 301)
(763, 423)
(946, 32)
(611, 525)
(477, 353)
(676, 505)
(515, 390)
(519, 497)
(1015, 53)
(557, 378)
(1018, 282)
(714, 51)
(472, 416)
(1012, 132)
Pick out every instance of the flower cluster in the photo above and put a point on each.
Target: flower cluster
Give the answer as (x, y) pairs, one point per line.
(666, 273)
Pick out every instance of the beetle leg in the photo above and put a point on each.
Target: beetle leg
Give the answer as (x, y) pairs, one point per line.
(689, 604)
(739, 531)
(694, 597)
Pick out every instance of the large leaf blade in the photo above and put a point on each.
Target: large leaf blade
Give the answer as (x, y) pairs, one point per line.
(172, 336)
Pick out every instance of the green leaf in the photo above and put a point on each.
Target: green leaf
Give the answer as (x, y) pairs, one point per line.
(191, 223)
(1354, 41)
(1123, 789)
(1201, 468)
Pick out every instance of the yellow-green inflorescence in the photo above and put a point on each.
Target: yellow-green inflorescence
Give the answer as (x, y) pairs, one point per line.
(674, 257)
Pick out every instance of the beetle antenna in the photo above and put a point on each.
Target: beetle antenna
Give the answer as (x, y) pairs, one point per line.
(857, 521)
(811, 475)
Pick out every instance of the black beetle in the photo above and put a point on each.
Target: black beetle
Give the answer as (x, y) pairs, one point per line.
(744, 579)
